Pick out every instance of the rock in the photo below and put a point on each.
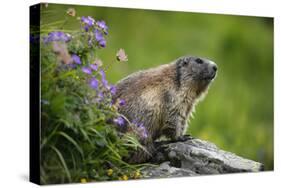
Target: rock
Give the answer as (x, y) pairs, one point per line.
(196, 157)
(165, 170)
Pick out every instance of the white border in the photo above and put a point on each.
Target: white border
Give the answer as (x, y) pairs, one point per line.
(14, 77)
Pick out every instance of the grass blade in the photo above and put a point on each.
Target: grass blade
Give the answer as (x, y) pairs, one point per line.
(67, 137)
(62, 162)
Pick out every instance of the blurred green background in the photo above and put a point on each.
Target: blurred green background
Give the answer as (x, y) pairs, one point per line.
(237, 113)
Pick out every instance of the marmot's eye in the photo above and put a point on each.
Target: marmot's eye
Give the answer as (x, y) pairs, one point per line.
(199, 61)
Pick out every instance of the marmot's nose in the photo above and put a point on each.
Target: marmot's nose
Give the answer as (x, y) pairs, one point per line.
(214, 67)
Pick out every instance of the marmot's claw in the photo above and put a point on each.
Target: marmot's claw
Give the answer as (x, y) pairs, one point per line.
(184, 138)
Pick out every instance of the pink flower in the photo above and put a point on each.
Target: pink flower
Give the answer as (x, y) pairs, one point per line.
(71, 12)
(121, 55)
(94, 67)
(98, 62)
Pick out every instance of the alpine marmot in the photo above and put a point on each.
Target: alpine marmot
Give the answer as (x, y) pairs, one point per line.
(163, 98)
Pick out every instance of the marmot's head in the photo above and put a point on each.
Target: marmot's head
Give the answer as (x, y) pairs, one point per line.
(195, 73)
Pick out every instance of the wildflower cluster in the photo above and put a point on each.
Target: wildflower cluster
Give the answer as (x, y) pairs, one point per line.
(95, 30)
(57, 36)
(94, 33)
(80, 141)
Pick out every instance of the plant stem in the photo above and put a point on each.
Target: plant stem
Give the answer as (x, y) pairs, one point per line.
(65, 21)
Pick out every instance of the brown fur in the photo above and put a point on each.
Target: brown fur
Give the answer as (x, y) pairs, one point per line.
(162, 98)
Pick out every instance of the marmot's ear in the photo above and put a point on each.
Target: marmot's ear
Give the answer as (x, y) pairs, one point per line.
(185, 61)
(182, 61)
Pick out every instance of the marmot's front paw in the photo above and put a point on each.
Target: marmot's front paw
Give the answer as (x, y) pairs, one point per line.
(184, 138)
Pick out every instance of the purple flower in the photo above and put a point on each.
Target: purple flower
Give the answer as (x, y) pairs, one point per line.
(140, 125)
(94, 83)
(142, 130)
(119, 121)
(104, 82)
(102, 43)
(94, 67)
(100, 97)
(102, 73)
(101, 24)
(76, 59)
(112, 89)
(57, 36)
(86, 28)
(144, 134)
(89, 21)
(87, 70)
(98, 35)
(99, 38)
(103, 79)
(122, 102)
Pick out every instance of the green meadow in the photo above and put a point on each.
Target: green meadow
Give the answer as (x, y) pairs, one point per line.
(237, 112)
